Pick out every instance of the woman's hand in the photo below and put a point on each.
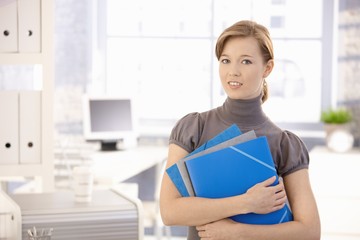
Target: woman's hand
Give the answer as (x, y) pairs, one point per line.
(263, 198)
(306, 224)
(219, 230)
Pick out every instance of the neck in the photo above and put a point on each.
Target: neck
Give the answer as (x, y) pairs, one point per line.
(246, 113)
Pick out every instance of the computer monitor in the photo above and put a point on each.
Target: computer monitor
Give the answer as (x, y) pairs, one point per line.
(109, 119)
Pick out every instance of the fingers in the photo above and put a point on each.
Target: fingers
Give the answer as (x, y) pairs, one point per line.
(280, 196)
(268, 181)
(266, 197)
(280, 193)
(202, 232)
(200, 228)
(276, 188)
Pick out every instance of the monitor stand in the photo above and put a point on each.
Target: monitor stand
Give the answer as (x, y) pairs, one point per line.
(109, 146)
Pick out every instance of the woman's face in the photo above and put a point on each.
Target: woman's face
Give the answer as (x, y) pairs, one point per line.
(242, 68)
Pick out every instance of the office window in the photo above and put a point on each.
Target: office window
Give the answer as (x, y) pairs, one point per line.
(166, 57)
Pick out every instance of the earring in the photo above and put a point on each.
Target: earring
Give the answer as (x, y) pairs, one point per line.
(265, 83)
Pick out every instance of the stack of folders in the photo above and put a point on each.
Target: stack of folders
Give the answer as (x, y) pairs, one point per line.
(228, 165)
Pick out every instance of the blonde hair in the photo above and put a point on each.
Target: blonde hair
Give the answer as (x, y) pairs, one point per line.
(244, 29)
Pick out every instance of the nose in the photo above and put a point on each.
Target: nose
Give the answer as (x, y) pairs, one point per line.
(234, 71)
(234, 74)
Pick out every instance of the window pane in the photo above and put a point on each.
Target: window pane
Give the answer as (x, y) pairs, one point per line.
(283, 17)
(227, 12)
(295, 82)
(290, 18)
(169, 76)
(146, 18)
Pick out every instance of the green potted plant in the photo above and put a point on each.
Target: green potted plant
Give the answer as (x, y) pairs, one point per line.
(337, 125)
(336, 116)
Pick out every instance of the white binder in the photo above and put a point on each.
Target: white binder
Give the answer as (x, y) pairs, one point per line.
(29, 25)
(8, 26)
(9, 128)
(30, 126)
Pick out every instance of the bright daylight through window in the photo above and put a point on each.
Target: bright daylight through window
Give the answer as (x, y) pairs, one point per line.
(166, 57)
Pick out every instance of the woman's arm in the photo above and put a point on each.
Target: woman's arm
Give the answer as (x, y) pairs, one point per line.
(193, 211)
(306, 224)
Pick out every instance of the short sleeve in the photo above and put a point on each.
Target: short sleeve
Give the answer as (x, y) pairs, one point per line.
(294, 154)
(187, 132)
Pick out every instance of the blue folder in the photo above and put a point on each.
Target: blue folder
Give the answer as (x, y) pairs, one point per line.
(229, 133)
(232, 171)
(174, 171)
(181, 163)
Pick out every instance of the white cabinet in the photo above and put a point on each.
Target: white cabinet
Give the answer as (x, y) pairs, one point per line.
(27, 115)
(20, 26)
(335, 180)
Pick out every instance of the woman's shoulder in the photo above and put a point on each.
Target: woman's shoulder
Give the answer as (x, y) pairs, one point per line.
(294, 153)
(287, 141)
(187, 131)
(190, 117)
(194, 119)
(280, 136)
(190, 120)
(289, 137)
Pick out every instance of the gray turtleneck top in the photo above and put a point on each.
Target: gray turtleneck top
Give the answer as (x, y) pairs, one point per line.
(288, 151)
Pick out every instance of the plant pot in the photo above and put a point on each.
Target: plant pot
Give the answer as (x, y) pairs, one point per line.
(339, 137)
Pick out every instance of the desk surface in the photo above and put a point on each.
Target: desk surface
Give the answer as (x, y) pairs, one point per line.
(121, 165)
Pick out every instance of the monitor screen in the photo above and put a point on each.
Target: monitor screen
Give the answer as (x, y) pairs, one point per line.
(109, 119)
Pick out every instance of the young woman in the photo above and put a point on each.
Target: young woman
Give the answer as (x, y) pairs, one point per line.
(245, 54)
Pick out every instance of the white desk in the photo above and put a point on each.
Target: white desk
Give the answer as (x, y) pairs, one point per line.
(335, 179)
(117, 166)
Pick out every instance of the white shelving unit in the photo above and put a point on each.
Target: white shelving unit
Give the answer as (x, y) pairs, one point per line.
(43, 169)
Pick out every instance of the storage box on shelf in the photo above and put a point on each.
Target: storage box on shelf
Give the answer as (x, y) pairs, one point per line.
(26, 38)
